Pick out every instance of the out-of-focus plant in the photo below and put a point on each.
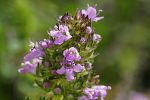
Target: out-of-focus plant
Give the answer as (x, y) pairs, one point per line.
(62, 63)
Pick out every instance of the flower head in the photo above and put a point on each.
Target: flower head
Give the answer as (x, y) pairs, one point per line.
(60, 55)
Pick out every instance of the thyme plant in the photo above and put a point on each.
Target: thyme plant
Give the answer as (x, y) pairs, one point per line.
(62, 63)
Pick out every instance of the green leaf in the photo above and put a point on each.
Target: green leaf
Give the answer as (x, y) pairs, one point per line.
(58, 97)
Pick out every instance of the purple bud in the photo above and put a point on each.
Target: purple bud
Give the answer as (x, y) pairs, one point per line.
(65, 17)
(46, 85)
(78, 14)
(82, 40)
(96, 38)
(57, 90)
(46, 64)
(88, 30)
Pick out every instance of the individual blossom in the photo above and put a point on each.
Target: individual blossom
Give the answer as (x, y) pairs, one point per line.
(35, 52)
(65, 17)
(91, 13)
(29, 67)
(84, 98)
(96, 92)
(60, 34)
(71, 54)
(91, 93)
(69, 71)
(46, 43)
(102, 90)
(96, 38)
(78, 14)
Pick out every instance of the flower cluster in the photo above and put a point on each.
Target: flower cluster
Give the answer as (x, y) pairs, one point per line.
(62, 63)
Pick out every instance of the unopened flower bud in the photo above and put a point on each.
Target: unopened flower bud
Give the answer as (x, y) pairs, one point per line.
(96, 38)
(46, 85)
(88, 66)
(46, 64)
(57, 90)
(88, 30)
(82, 40)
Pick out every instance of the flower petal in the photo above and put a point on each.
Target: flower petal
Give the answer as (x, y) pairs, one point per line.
(27, 68)
(97, 18)
(91, 11)
(69, 74)
(35, 53)
(61, 70)
(84, 12)
(78, 68)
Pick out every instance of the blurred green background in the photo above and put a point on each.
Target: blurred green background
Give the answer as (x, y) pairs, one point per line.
(124, 57)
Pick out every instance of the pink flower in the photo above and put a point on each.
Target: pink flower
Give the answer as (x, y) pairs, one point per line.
(69, 71)
(29, 67)
(91, 13)
(96, 38)
(60, 34)
(35, 52)
(88, 30)
(96, 91)
(46, 43)
(71, 54)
